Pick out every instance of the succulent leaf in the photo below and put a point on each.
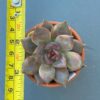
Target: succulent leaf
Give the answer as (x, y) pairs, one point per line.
(41, 35)
(78, 46)
(47, 25)
(29, 66)
(53, 45)
(28, 45)
(61, 63)
(38, 79)
(62, 76)
(66, 42)
(74, 61)
(61, 29)
(47, 73)
(38, 53)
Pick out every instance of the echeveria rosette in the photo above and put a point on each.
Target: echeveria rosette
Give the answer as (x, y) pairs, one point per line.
(53, 53)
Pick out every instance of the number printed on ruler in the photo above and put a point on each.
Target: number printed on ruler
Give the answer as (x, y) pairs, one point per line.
(14, 79)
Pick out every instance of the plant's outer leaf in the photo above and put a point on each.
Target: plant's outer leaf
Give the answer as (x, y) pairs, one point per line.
(29, 66)
(47, 25)
(61, 63)
(60, 29)
(62, 76)
(78, 46)
(38, 79)
(41, 35)
(74, 61)
(38, 53)
(66, 42)
(28, 45)
(47, 73)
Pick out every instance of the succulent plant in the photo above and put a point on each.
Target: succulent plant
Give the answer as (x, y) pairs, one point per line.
(52, 53)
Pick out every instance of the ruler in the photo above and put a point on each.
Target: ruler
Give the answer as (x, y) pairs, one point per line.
(14, 78)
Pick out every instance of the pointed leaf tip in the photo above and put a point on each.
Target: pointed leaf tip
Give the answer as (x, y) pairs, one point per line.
(47, 25)
(62, 75)
(61, 29)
